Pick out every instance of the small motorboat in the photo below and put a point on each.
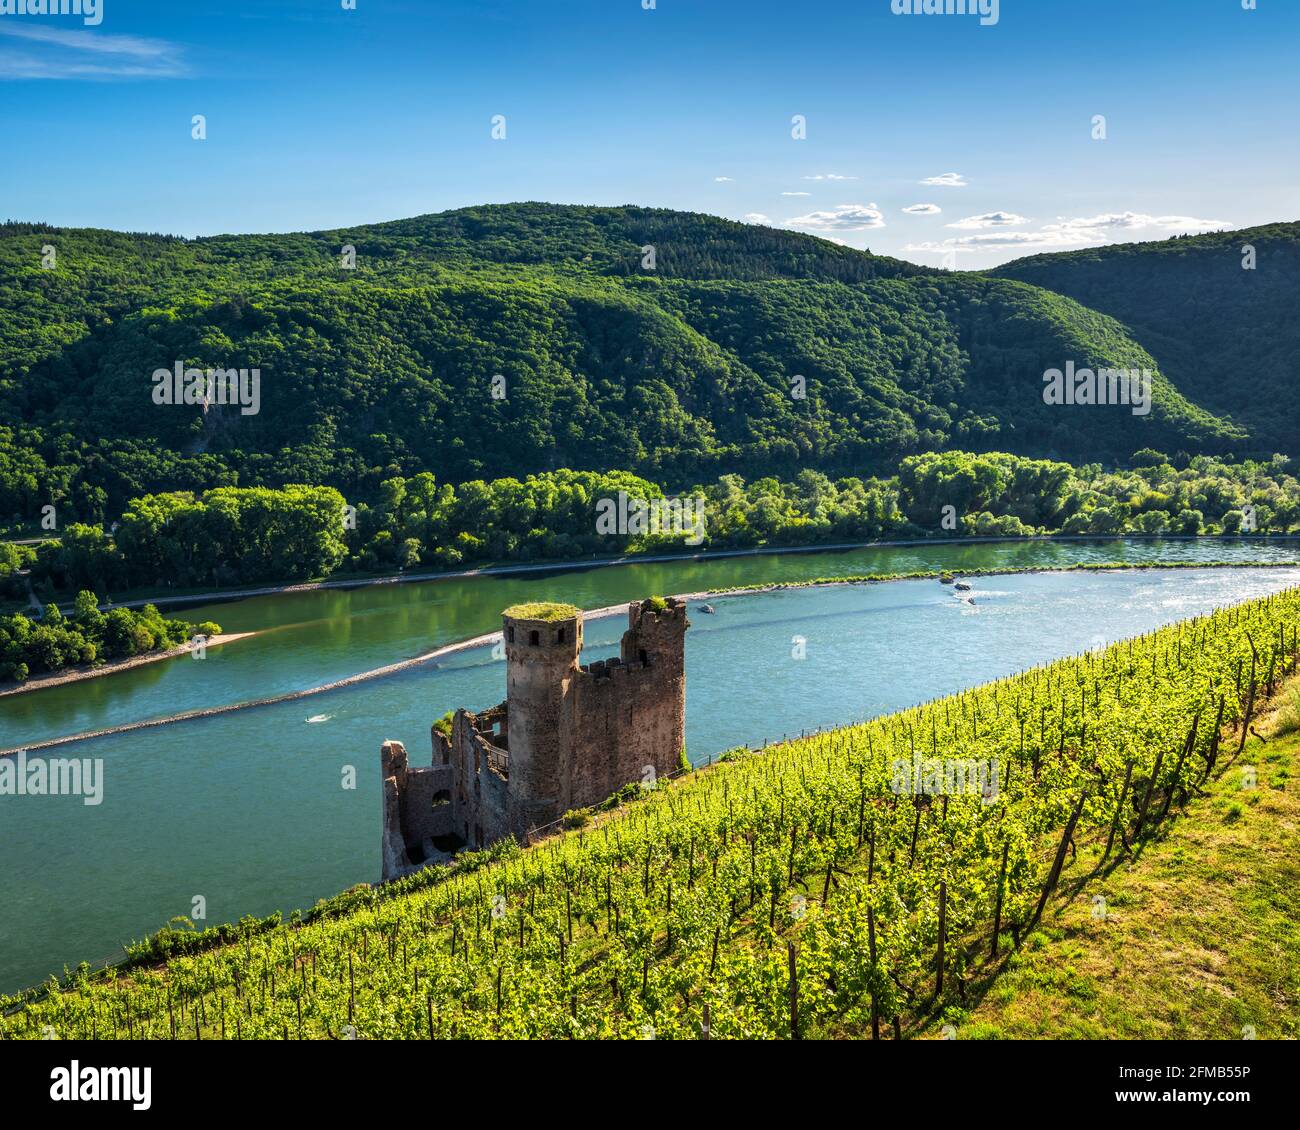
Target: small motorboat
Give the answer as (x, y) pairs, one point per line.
(707, 608)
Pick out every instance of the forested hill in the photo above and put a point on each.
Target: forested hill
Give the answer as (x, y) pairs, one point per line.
(609, 241)
(1227, 336)
(681, 373)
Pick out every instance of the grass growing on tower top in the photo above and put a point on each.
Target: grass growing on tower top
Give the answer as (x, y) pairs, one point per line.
(542, 610)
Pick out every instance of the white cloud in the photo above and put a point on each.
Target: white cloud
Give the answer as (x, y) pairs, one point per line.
(923, 209)
(946, 180)
(998, 241)
(723, 180)
(64, 53)
(991, 220)
(756, 218)
(1134, 221)
(1080, 231)
(944, 248)
(843, 217)
(796, 194)
(829, 176)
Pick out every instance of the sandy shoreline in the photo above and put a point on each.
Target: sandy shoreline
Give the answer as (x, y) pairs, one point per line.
(77, 674)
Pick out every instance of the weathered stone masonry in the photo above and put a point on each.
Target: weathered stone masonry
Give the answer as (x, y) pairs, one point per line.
(566, 737)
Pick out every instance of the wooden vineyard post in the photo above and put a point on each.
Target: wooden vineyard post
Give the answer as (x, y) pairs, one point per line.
(1119, 808)
(1059, 861)
(1213, 753)
(1182, 757)
(871, 945)
(943, 930)
(1146, 797)
(794, 992)
(1250, 699)
(997, 914)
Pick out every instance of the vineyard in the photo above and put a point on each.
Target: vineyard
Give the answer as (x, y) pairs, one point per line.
(855, 883)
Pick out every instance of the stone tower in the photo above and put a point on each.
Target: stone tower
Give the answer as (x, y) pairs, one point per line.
(542, 645)
(656, 640)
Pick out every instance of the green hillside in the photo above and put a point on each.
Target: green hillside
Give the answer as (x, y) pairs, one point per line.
(606, 241)
(680, 373)
(1227, 337)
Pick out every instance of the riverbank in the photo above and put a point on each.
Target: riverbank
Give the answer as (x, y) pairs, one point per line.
(114, 666)
(1009, 571)
(485, 639)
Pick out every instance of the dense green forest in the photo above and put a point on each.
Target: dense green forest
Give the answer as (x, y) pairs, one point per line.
(745, 351)
(1220, 322)
(233, 536)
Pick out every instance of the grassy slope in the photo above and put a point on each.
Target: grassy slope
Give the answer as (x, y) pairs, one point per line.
(1200, 935)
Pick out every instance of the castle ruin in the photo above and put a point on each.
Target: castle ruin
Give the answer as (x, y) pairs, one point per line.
(567, 736)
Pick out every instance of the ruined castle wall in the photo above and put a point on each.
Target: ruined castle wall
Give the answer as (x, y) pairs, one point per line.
(629, 715)
(662, 637)
(480, 793)
(416, 806)
(624, 728)
(426, 803)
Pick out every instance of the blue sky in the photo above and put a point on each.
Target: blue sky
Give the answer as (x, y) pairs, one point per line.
(321, 117)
